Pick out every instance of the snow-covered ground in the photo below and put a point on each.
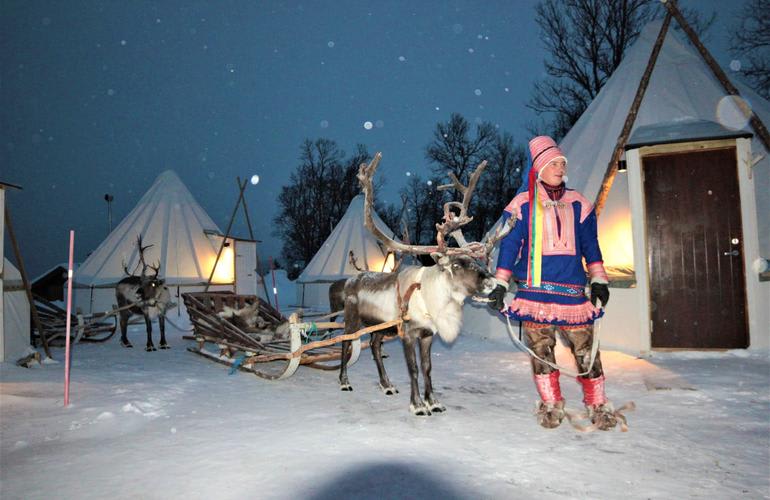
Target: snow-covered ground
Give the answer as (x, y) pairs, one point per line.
(170, 424)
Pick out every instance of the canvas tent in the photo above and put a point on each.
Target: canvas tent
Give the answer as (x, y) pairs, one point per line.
(14, 305)
(688, 144)
(185, 241)
(14, 338)
(332, 261)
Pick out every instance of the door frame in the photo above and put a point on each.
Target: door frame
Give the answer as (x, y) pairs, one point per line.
(756, 316)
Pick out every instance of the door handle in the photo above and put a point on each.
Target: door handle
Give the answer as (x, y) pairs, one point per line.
(734, 253)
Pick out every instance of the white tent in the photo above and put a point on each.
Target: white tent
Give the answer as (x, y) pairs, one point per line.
(684, 109)
(332, 261)
(14, 337)
(184, 240)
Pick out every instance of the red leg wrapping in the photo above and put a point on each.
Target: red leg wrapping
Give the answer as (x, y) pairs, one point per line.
(593, 390)
(548, 387)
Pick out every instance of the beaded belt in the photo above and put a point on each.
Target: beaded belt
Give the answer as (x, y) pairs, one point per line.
(545, 286)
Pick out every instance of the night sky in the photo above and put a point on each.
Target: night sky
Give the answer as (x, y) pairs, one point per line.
(100, 97)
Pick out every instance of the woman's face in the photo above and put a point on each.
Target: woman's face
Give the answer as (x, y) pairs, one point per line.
(553, 173)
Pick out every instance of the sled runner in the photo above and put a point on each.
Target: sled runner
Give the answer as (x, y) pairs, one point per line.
(97, 327)
(276, 346)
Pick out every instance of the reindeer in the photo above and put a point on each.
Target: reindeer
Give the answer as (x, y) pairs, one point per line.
(428, 299)
(146, 295)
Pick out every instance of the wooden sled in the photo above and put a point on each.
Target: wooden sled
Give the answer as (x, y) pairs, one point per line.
(97, 327)
(266, 352)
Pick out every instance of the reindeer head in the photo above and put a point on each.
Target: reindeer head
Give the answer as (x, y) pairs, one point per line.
(150, 286)
(463, 264)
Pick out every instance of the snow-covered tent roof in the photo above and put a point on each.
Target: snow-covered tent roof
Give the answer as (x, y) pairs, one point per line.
(332, 261)
(169, 218)
(682, 90)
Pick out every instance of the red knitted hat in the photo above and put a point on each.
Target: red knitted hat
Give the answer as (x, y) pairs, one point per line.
(543, 150)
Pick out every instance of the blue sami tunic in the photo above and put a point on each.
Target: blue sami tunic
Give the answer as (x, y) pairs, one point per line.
(569, 236)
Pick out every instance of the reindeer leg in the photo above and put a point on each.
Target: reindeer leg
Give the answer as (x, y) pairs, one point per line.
(352, 325)
(416, 404)
(162, 327)
(124, 329)
(385, 384)
(426, 341)
(148, 323)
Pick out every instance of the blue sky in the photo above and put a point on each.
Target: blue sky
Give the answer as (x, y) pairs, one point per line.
(100, 97)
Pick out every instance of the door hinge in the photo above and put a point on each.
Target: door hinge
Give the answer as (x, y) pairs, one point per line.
(651, 323)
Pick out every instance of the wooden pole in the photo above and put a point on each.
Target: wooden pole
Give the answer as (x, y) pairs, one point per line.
(275, 289)
(69, 321)
(27, 288)
(756, 122)
(251, 235)
(612, 167)
(227, 234)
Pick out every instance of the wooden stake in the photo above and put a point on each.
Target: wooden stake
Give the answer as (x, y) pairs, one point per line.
(612, 167)
(27, 288)
(227, 234)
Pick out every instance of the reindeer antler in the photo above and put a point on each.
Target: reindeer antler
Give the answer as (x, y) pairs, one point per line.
(365, 174)
(141, 255)
(452, 222)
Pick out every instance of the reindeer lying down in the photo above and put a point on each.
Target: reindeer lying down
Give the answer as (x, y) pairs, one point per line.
(432, 297)
(248, 318)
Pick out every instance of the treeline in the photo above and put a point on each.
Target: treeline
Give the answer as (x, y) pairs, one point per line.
(324, 182)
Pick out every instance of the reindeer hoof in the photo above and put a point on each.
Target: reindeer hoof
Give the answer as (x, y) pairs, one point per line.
(346, 387)
(389, 391)
(420, 411)
(165, 346)
(150, 348)
(126, 343)
(437, 407)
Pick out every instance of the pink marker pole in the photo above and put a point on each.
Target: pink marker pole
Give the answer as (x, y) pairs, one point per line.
(69, 315)
(275, 290)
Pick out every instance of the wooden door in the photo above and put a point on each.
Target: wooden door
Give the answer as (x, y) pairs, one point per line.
(695, 250)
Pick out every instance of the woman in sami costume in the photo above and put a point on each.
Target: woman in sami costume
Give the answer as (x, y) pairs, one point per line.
(544, 254)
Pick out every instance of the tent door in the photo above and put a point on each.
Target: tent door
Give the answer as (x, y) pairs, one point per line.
(245, 268)
(695, 250)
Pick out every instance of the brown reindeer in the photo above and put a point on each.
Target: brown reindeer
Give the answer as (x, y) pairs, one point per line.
(146, 295)
(428, 299)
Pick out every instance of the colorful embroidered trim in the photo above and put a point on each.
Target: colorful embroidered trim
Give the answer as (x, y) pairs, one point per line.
(534, 268)
(550, 287)
(543, 312)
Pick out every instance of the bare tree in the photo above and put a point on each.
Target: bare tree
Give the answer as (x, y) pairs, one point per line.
(586, 41)
(751, 40)
(500, 182)
(319, 191)
(457, 149)
(424, 208)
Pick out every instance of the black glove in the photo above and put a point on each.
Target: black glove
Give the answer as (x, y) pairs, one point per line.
(497, 297)
(600, 291)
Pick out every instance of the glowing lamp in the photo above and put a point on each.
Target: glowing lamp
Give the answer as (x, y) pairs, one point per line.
(225, 270)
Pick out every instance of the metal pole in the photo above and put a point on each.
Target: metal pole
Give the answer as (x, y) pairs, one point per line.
(69, 321)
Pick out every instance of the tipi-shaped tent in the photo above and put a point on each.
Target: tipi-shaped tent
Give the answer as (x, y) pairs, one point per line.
(14, 336)
(184, 240)
(332, 261)
(680, 277)
(684, 112)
